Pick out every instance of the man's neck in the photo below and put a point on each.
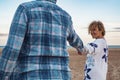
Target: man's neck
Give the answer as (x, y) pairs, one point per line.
(54, 1)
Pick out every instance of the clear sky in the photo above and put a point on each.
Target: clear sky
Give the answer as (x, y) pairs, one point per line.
(82, 11)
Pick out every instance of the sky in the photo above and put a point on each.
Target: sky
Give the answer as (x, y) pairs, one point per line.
(83, 12)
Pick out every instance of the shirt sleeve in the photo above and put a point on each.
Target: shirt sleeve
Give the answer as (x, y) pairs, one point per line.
(90, 48)
(11, 51)
(73, 39)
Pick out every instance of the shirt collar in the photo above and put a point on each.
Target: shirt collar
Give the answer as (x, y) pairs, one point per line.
(54, 1)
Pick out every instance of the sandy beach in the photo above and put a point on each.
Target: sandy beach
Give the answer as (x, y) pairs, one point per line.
(77, 64)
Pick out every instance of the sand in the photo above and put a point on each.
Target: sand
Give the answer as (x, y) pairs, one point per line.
(0, 50)
(77, 64)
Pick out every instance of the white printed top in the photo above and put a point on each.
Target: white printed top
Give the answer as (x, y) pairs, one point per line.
(97, 60)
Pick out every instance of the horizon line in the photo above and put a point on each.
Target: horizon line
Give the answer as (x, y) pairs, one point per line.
(109, 46)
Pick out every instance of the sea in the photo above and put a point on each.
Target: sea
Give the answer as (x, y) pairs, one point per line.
(110, 46)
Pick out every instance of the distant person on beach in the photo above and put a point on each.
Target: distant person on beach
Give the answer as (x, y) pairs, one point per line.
(37, 45)
(97, 53)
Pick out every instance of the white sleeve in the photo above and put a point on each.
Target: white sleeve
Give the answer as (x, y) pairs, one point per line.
(88, 49)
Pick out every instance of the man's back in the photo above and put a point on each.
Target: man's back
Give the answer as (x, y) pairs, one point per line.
(36, 47)
(47, 31)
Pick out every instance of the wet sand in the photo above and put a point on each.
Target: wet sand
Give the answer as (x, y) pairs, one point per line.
(77, 64)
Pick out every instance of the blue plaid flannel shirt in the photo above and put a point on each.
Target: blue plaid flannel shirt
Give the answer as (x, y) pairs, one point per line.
(39, 28)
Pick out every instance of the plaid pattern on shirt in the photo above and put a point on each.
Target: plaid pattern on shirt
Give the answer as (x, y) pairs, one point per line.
(39, 31)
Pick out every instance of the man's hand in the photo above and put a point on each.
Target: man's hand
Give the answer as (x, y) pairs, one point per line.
(79, 53)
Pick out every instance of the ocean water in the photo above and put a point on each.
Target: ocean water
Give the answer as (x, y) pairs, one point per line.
(1, 46)
(114, 46)
(110, 46)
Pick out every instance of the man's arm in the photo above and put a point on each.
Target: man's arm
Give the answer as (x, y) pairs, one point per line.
(74, 40)
(11, 51)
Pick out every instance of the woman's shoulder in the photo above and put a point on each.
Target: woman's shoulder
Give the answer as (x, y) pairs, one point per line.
(100, 42)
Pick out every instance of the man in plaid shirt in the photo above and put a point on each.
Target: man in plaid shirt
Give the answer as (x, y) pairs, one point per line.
(36, 48)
